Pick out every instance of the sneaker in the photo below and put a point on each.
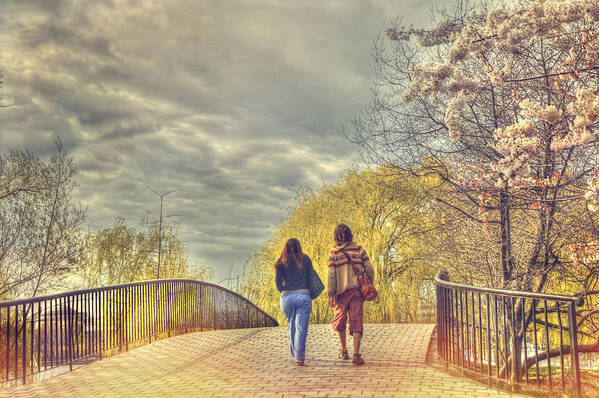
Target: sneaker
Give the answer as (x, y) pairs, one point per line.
(358, 360)
(299, 363)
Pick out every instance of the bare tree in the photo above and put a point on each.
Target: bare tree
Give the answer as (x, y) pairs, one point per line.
(39, 226)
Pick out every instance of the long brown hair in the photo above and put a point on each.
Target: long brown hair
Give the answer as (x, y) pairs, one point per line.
(291, 251)
(343, 234)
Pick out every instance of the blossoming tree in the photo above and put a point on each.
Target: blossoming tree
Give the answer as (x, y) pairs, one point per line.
(502, 104)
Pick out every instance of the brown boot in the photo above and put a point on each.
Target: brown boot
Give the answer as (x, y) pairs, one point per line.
(358, 360)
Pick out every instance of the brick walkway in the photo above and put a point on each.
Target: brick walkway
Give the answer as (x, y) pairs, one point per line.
(256, 363)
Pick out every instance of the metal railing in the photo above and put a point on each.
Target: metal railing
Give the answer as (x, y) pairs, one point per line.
(513, 337)
(43, 333)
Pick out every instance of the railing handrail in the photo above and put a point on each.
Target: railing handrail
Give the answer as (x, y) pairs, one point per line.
(36, 299)
(511, 293)
(46, 332)
(508, 359)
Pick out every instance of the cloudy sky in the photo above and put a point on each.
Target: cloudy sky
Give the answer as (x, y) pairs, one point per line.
(234, 103)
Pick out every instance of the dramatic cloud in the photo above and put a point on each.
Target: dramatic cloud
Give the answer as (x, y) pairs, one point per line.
(235, 103)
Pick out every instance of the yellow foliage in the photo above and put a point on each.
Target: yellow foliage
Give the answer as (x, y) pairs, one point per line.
(388, 214)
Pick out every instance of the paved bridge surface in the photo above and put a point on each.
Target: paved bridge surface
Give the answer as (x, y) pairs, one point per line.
(256, 363)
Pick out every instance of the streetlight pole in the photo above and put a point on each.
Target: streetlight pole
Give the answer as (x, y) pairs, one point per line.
(161, 196)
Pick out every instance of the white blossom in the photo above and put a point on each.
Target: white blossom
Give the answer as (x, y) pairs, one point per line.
(586, 112)
(549, 114)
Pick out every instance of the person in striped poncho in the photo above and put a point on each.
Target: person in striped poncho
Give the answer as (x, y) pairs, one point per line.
(343, 289)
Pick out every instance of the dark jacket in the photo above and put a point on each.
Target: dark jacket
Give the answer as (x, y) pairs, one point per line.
(290, 277)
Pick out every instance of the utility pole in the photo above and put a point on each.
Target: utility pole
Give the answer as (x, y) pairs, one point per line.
(161, 196)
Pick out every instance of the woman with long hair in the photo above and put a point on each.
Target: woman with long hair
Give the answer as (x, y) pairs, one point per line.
(292, 270)
(343, 289)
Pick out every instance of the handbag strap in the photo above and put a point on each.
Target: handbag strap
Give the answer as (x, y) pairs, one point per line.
(354, 266)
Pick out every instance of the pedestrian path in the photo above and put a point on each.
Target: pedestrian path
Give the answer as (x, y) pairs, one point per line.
(256, 363)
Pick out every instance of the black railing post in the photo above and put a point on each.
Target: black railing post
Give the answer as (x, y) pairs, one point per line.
(126, 318)
(442, 324)
(7, 363)
(572, 329)
(168, 309)
(24, 331)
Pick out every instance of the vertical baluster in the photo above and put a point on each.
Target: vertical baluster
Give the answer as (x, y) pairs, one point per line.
(24, 351)
(506, 348)
(147, 302)
(120, 314)
(525, 342)
(443, 335)
(103, 315)
(99, 328)
(70, 318)
(117, 321)
(160, 307)
(561, 344)
(454, 327)
(213, 307)
(534, 327)
(52, 340)
(450, 322)
(75, 311)
(46, 334)
(467, 345)
(107, 319)
(480, 332)
(195, 308)
(126, 312)
(496, 337)
(16, 371)
(489, 362)
(94, 323)
(154, 310)
(168, 308)
(88, 319)
(141, 303)
(139, 316)
(142, 312)
(474, 352)
(32, 340)
(137, 322)
(515, 353)
(201, 308)
(114, 319)
(165, 305)
(63, 330)
(574, 364)
(188, 317)
(175, 311)
(548, 345)
(148, 299)
(8, 342)
(443, 318)
(439, 323)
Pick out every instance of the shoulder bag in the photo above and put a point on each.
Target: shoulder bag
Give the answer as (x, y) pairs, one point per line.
(315, 285)
(367, 288)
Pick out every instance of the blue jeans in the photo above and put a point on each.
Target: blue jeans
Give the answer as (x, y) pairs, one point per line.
(297, 308)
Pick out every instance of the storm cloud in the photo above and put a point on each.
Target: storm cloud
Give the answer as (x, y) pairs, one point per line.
(236, 104)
